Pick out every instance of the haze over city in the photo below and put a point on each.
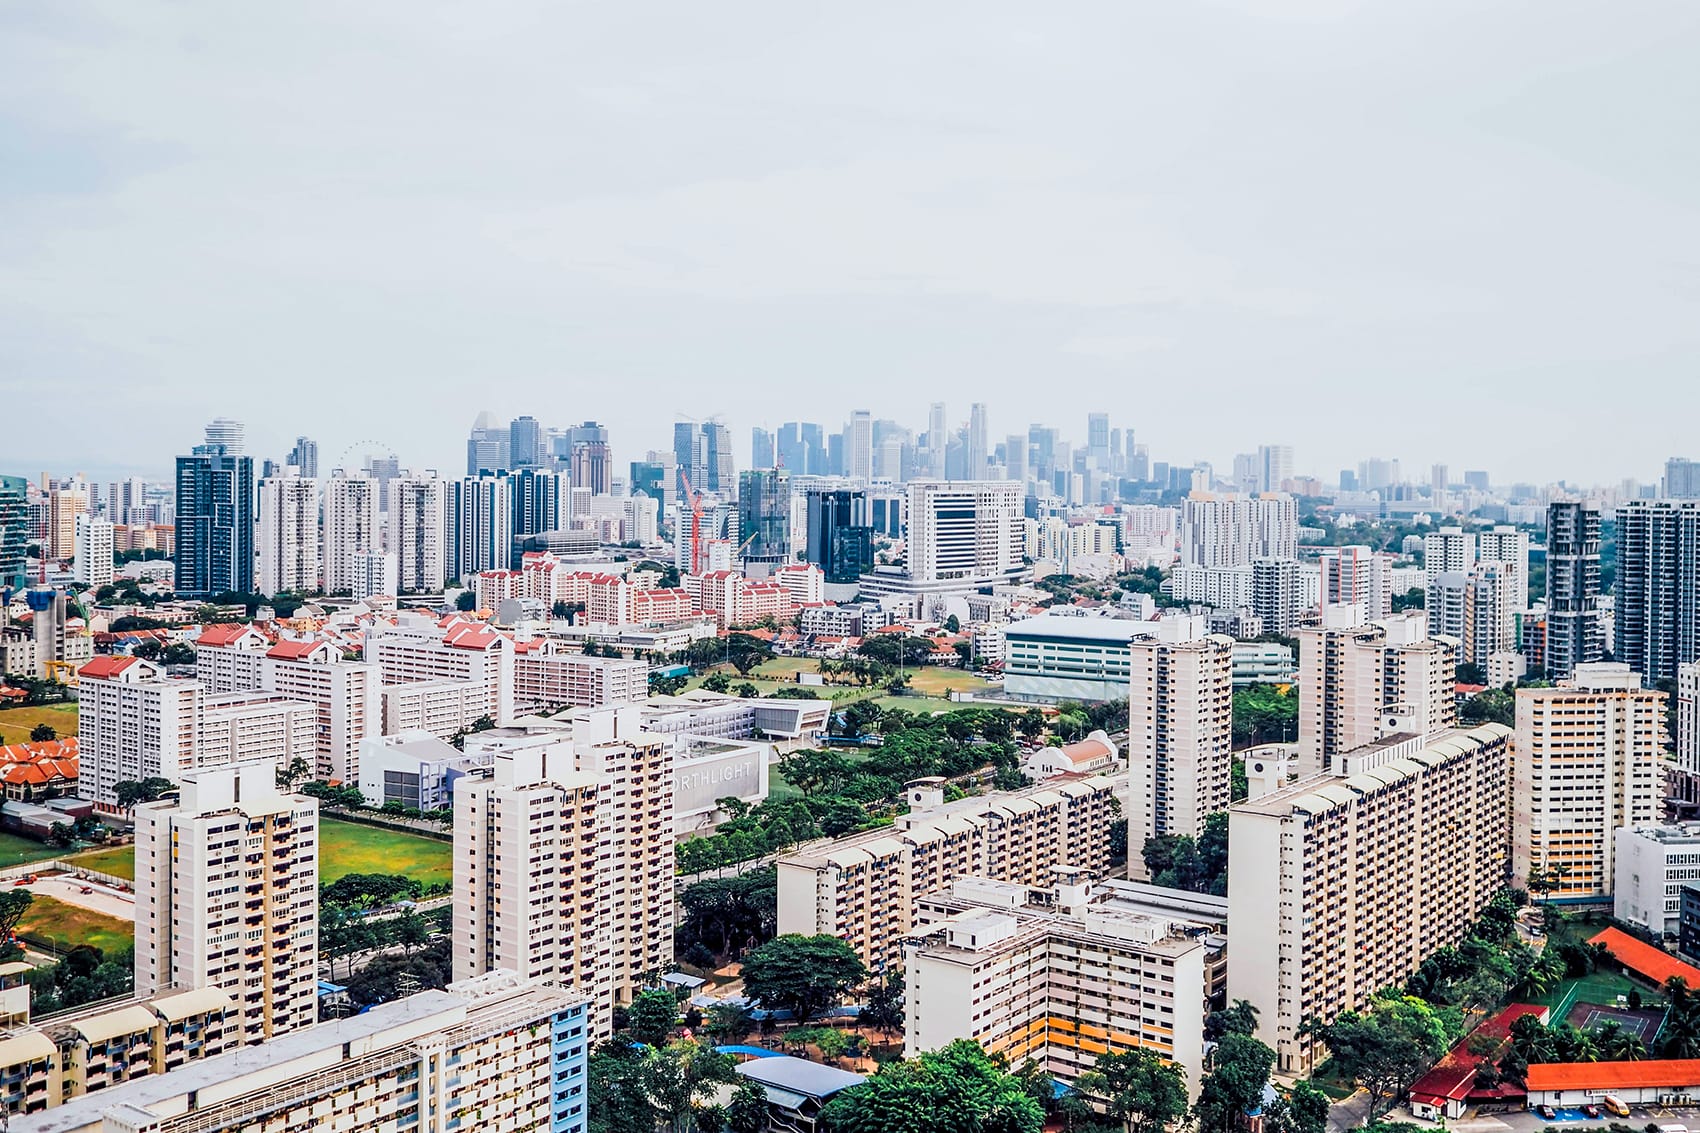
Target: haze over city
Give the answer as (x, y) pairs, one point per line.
(1433, 232)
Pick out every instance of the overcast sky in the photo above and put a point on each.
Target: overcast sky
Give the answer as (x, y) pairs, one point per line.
(1439, 231)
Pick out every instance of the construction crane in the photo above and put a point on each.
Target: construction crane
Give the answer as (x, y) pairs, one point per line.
(696, 521)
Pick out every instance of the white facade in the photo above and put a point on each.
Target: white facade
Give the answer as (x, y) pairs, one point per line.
(1226, 531)
(415, 532)
(1061, 657)
(415, 769)
(1356, 575)
(965, 532)
(351, 528)
(1450, 550)
(415, 648)
(1688, 717)
(240, 727)
(287, 535)
(374, 573)
(1180, 731)
(227, 880)
(479, 525)
(133, 724)
(93, 567)
(1588, 755)
(1341, 886)
(1652, 865)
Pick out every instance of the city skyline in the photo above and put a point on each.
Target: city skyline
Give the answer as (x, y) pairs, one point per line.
(964, 230)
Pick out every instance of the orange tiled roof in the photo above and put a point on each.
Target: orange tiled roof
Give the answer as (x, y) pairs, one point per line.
(1649, 1073)
(105, 668)
(1644, 960)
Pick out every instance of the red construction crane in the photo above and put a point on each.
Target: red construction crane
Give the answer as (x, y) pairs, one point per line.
(696, 522)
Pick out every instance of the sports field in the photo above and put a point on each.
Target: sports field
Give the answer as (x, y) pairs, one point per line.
(1642, 1023)
(349, 847)
(344, 848)
(17, 723)
(63, 926)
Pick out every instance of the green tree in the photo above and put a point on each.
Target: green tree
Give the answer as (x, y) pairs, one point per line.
(1303, 1109)
(43, 733)
(132, 792)
(1387, 1046)
(14, 903)
(1238, 1018)
(1233, 1086)
(801, 974)
(957, 1089)
(298, 771)
(680, 1077)
(1138, 1088)
(652, 1016)
(466, 601)
(747, 1111)
(60, 834)
(883, 1006)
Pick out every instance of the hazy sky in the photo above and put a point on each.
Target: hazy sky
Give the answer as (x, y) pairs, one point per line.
(1462, 232)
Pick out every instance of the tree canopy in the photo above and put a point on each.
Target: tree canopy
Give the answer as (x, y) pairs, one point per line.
(957, 1089)
(802, 974)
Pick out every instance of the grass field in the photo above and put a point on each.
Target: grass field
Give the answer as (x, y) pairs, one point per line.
(63, 925)
(349, 847)
(17, 723)
(16, 851)
(119, 861)
(344, 848)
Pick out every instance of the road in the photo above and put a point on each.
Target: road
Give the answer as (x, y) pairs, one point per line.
(100, 898)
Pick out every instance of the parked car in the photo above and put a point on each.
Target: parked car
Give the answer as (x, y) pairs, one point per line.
(1592, 1111)
(1546, 1111)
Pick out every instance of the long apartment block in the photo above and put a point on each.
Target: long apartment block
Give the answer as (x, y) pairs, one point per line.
(863, 888)
(496, 1053)
(1065, 973)
(1340, 885)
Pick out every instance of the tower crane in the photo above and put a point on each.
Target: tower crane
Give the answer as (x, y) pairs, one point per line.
(696, 521)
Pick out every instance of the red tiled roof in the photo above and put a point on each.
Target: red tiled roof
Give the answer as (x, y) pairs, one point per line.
(1453, 1078)
(221, 633)
(1644, 960)
(1647, 1074)
(105, 668)
(295, 650)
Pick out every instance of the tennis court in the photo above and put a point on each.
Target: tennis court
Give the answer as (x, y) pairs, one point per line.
(1642, 1022)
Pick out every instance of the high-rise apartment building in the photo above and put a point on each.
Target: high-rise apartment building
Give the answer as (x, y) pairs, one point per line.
(227, 888)
(590, 457)
(1180, 730)
(532, 875)
(94, 566)
(1358, 576)
(527, 445)
(304, 458)
(1587, 763)
(477, 519)
(1277, 593)
(226, 433)
(1362, 681)
(126, 501)
(415, 648)
(351, 527)
(1341, 885)
(1221, 531)
(1575, 631)
(1657, 611)
(1688, 718)
(133, 723)
(540, 502)
(862, 888)
(288, 536)
(66, 500)
(214, 522)
(1505, 544)
(1449, 550)
(416, 535)
(764, 519)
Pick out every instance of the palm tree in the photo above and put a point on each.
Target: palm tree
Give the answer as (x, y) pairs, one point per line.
(1617, 1044)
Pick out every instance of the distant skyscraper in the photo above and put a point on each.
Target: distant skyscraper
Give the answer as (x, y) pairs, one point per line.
(764, 519)
(859, 446)
(1015, 458)
(790, 449)
(478, 520)
(814, 445)
(1274, 467)
(526, 447)
(1575, 625)
(1657, 610)
(305, 457)
(979, 441)
(763, 452)
(1682, 479)
(840, 540)
(14, 531)
(540, 502)
(94, 566)
(721, 477)
(1476, 480)
(1098, 439)
(487, 447)
(590, 458)
(215, 522)
(937, 440)
(227, 433)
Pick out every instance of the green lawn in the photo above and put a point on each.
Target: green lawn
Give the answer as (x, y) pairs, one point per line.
(15, 850)
(17, 723)
(344, 848)
(349, 847)
(56, 923)
(119, 861)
